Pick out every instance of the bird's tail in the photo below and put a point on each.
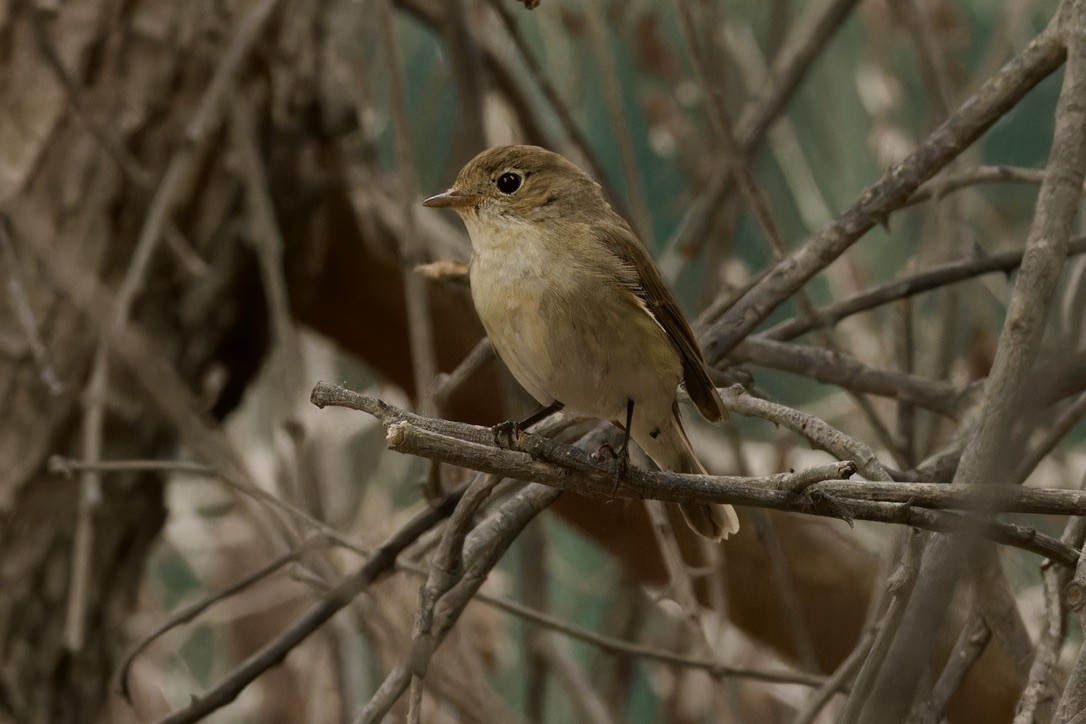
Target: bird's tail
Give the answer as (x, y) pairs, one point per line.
(671, 450)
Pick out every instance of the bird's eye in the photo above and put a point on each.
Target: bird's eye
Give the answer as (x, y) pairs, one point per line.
(508, 183)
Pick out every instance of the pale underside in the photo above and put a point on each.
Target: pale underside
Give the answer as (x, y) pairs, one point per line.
(576, 335)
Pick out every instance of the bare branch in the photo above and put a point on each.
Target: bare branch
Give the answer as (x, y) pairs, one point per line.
(987, 454)
(973, 118)
(344, 592)
(484, 546)
(924, 281)
(569, 468)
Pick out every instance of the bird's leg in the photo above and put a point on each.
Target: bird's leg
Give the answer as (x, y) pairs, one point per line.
(623, 462)
(507, 433)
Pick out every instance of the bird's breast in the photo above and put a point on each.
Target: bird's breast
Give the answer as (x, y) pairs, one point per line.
(569, 330)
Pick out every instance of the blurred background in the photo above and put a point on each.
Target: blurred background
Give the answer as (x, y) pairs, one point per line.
(210, 205)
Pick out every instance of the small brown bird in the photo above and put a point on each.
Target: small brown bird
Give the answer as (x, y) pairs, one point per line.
(577, 310)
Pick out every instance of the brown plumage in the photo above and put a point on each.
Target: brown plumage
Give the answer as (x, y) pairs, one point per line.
(576, 308)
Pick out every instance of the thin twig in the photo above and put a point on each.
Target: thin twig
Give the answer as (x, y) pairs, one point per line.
(484, 547)
(188, 613)
(270, 246)
(838, 682)
(640, 214)
(808, 37)
(446, 570)
(924, 281)
(846, 371)
(899, 587)
(24, 311)
(619, 647)
(419, 322)
(1067, 419)
(989, 452)
(940, 186)
(972, 640)
(557, 104)
(994, 98)
(342, 594)
(158, 211)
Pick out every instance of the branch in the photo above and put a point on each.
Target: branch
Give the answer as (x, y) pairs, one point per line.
(484, 547)
(998, 95)
(814, 491)
(937, 276)
(276, 650)
(846, 371)
(940, 187)
(989, 453)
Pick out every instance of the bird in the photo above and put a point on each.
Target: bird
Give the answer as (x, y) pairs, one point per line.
(577, 310)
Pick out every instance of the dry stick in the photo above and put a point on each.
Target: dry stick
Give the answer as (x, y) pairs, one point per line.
(446, 570)
(382, 561)
(618, 647)
(817, 432)
(484, 547)
(847, 671)
(576, 681)
(1067, 419)
(899, 588)
(984, 456)
(787, 592)
(933, 64)
(807, 38)
(972, 640)
(447, 384)
(1073, 700)
(538, 73)
(159, 209)
(475, 446)
(940, 186)
(569, 468)
(680, 580)
(759, 207)
(533, 578)
(105, 136)
(466, 68)
(24, 311)
(996, 603)
(838, 682)
(622, 648)
(67, 466)
(998, 95)
(269, 243)
(419, 323)
(1039, 687)
(753, 196)
(155, 374)
(641, 215)
(783, 142)
(844, 370)
(933, 278)
(189, 613)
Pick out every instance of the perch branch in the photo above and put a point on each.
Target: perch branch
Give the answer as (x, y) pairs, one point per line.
(569, 468)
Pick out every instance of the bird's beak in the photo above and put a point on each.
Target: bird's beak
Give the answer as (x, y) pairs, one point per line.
(451, 199)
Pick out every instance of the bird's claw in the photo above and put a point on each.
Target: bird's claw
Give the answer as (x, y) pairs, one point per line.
(621, 466)
(506, 434)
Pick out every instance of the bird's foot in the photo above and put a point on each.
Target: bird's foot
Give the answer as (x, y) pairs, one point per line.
(621, 464)
(507, 434)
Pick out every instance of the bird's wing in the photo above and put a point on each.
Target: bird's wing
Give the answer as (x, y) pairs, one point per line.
(650, 288)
